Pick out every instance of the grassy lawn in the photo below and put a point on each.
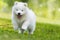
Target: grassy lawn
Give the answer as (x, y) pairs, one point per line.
(44, 31)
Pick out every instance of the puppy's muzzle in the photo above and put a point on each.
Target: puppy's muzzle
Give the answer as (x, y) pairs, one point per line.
(19, 14)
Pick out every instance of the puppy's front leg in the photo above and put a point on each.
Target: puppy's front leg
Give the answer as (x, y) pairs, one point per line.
(15, 25)
(25, 25)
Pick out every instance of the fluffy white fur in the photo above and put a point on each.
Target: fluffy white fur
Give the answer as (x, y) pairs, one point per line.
(28, 19)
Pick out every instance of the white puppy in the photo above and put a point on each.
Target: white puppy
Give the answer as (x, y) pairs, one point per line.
(23, 18)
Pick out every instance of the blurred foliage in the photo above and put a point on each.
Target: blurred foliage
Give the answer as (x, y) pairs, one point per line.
(42, 8)
(2, 4)
(11, 2)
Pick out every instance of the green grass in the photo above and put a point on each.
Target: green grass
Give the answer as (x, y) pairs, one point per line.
(44, 31)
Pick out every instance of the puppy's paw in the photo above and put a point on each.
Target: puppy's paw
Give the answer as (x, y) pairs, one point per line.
(22, 31)
(30, 32)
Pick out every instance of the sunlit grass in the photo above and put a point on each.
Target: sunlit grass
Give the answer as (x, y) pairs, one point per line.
(47, 20)
(5, 15)
(44, 31)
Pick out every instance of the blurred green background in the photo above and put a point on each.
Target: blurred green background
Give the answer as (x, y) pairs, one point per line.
(47, 24)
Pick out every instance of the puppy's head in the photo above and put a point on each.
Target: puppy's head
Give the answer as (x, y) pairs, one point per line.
(19, 8)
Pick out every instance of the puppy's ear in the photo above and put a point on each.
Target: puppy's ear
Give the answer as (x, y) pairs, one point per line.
(16, 2)
(25, 4)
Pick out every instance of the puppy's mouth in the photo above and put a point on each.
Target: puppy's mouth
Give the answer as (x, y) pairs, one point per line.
(19, 16)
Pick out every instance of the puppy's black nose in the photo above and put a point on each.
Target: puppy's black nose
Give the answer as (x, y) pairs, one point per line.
(18, 13)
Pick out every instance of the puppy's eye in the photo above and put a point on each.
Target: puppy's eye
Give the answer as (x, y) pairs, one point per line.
(16, 9)
(21, 10)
